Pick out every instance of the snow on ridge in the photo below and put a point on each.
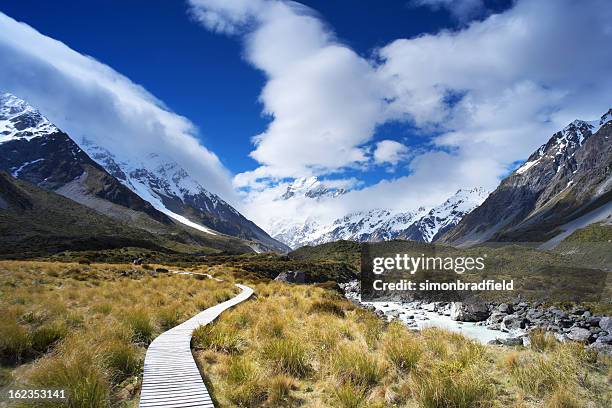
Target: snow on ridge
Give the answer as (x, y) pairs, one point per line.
(20, 120)
(380, 224)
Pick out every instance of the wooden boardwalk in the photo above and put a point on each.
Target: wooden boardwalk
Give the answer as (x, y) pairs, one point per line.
(171, 377)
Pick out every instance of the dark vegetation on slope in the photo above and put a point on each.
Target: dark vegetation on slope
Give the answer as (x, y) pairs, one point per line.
(38, 223)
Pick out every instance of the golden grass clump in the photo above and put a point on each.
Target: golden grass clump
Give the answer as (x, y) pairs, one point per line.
(85, 328)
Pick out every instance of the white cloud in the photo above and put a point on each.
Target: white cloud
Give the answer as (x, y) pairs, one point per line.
(86, 98)
(325, 100)
(490, 92)
(390, 151)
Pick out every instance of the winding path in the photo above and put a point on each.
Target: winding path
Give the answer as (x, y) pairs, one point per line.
(171, 377)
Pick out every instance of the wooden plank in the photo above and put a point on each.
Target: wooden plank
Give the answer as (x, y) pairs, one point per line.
(171, 377)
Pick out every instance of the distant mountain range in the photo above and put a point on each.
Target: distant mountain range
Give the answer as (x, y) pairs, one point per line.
(146, 198)
(565, 185)
(372, 225)
(152, 193)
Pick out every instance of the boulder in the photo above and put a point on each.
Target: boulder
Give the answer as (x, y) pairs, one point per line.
(579, 334)
(291, 277)
(606, 323)
(607, 339)
(469, 311)
(513, 322)
(504, 308)
(512, 341)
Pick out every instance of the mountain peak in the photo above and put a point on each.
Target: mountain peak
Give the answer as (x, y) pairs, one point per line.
(20, 120)
(310, 187)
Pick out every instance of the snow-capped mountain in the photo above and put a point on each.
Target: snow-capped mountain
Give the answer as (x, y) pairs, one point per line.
(18, 120)
(32, 148)
(170, 189)
(444, 217)
(568, 178)
(35, 150)
(310, 187)
(382, 224)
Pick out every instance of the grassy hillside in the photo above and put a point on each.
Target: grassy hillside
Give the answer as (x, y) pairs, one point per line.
(591, 245)
(347, 252)
(35, 223)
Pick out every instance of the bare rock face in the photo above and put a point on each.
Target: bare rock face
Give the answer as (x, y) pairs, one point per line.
(291, 277)
(469, 311)
(566, 177)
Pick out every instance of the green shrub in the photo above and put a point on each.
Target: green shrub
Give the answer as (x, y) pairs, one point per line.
(450, 385)
(350, 396)
(168, 317)
(542, 341)
(357, 367)
(79, 373)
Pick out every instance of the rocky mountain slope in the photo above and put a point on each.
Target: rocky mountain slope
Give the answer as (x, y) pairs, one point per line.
(569, 178)
(376, 224)
(152, 193)
(38, 222)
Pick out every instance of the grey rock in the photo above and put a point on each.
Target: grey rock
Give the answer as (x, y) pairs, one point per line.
(469, 311)
(291, 277)
(512, 322)
(512, 341)
(605, 339)
(601, 348)
(579, 334)
(606, 323)
(504, 308)
(526, 341)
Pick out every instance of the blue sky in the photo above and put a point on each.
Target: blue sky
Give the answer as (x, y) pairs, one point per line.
(203, 76)
(409, 100)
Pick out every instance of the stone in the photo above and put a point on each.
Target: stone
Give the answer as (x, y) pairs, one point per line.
(607, 339)
(512, 341)
(579, 334)
(291, 277)
(526, 341)
(512, 322)
(606, 323)
(504, 308)
(469, 311)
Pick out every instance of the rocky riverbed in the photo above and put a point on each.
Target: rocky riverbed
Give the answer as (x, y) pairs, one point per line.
(504, 323)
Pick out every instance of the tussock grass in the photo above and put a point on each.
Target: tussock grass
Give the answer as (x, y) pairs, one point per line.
(85, 328)
(288, 356)
(296, 350)
(327, 306)
(542, 340)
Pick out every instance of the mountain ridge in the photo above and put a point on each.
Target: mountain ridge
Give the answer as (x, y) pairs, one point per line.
(567, 177)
